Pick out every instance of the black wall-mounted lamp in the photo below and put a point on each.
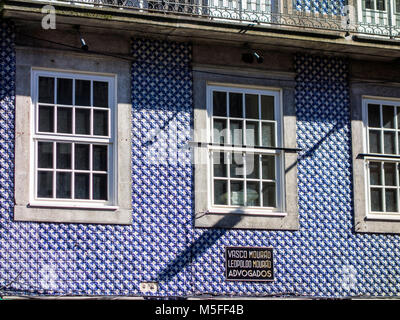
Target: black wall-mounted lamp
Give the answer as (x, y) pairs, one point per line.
(249, 57)
(251, 54)
(84, 46)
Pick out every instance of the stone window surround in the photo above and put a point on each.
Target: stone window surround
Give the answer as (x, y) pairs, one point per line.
(284, 81)
(49, 59)
(359, 91)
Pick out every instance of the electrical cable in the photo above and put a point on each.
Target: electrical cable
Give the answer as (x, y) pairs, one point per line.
(198, 71)
(78, 49)
(233, 41)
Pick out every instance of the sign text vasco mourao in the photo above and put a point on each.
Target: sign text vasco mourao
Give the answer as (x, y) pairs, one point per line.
(249, 264)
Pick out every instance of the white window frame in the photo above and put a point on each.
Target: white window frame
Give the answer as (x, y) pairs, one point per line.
(376, 17)
(279, 210)
(72, 138)
(375, 215)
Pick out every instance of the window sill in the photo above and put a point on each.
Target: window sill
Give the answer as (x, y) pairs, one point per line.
(377, 216)
(39, 204)
(241, 220)
(57, 213)
(246, 211)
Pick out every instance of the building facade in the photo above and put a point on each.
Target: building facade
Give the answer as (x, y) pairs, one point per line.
(142, 140)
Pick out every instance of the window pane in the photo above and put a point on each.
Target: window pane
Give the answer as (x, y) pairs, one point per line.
(219, 104)
(220, 192)
(237, 168)
(252, 106)
(63, 183)
(391, 200)
(82, 92)
(81, 185)
(369, 4)
(100, 158)
(45, 155)
(390, 174)
(380, 5)
(82, 156)
(220, 167)
(237, 193)
(45, 184)
(64, 91)
(376, 199)
(253, 193)
(64, 120)
(100, 186)
(235, 105)
(388, 116)
(100, 123)
(397, 6)
(64, 155)
(268, 192)
(267, 108)
(46, 119)
(100, 94)
(252, 166)
(46, 90)
(82, 121)
(236, 127)
(389, 141)
(375, 173)
(219, 133)
(268, 134)
(252, 133)
(374, 141)
(268, 167)
(374, 115)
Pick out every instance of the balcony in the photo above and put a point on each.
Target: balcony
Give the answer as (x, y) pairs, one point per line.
(379, 18)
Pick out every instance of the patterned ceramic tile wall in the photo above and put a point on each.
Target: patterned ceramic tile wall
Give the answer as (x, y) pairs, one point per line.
(323, 258)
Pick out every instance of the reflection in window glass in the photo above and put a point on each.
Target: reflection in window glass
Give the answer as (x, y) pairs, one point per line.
(82, 156)
(219, 104)
(388, 116)
(64, 120)
(235, 105)
(374, 115)
(252, 106)
(237, 193)
(64, 91)
(100, 123)
(46, 119)
(100, 94)
(380, 5)
(100, 186)
(82, 93)
(45, 184)
(369, 4)
(374, 141)
(63, 185)
(45, 154)
(82, 185)
(82, 121)
(64, 155)
(46, 90)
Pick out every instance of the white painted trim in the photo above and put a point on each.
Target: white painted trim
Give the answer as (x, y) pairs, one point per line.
(379, 101)
(383, 216)
(109, 140)
(247, 210)
(279, 169)
(66, 205)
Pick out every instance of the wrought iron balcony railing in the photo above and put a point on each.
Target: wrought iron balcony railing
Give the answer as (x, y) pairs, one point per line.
(374, 17)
